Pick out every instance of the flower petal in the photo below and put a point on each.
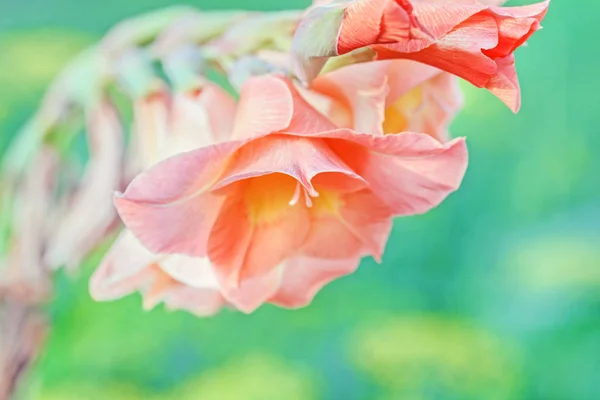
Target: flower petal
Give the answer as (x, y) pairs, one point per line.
(428, 108)
(411, 172)
(256, 230)
(299, 157)
(168, 207)
(349, 225)
(190, 271)
(363, 88)
(253, 292)
(123, 270)
(269, 104)
(303, 277)
(207, 113)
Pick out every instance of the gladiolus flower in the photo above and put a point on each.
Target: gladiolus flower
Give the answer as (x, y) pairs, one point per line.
(388, 97)
(290, 202)
(467, 38)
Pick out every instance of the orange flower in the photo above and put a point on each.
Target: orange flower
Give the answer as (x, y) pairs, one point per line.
(290, 202)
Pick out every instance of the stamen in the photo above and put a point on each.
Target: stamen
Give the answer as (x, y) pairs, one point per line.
(296, 196)
(307, 195)
(307, 198)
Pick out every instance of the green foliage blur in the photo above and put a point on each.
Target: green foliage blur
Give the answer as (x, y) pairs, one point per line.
(494, 295)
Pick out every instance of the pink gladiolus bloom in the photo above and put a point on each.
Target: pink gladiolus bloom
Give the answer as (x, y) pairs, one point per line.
(467, 38)
(166, 126)
(389, 97)
(290, 203)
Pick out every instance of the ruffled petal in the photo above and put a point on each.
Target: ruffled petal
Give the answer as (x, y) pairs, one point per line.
(411, 172)
(304, 276)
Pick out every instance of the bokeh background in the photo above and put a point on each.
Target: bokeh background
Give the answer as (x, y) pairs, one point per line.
(493, 295)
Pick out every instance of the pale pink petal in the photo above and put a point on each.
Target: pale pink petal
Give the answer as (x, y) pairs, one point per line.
(191, 271)
(168, 207)
(303, 277)
(269, 104)
(91, 212)
(266, 105)
(123, 270)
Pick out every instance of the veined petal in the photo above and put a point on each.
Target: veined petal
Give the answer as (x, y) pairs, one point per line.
(465, 38)
(304, 276)
(269, 104)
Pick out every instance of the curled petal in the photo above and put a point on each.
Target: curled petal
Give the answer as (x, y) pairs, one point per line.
(304, 276)
(298, 157)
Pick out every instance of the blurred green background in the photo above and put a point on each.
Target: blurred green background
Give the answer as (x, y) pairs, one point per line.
(493, 295)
